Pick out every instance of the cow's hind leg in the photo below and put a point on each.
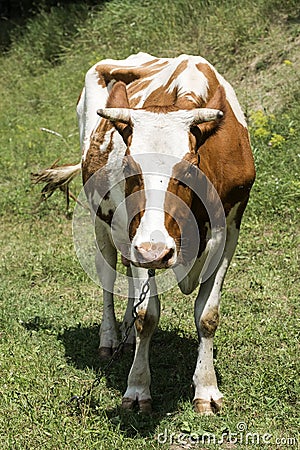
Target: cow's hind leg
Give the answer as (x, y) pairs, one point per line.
(106, 261)
(138, 386)
(208, 399)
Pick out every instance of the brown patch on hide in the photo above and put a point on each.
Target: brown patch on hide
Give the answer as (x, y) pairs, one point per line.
(94, 166)
(226, 159)
(129, 74)
(145, 323)
(175, 217)
(185, 180)
(107, 72)
(210, 75)
(153, 62)
(190, 102)
(134, 184)
(209, 322)
(101, 79)
(165, 109)
(96, 158)
(162, 95)
(136, 90)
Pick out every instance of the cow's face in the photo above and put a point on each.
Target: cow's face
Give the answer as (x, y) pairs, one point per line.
(160, 170)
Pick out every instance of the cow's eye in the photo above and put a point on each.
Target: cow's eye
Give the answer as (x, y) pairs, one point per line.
(182, 183)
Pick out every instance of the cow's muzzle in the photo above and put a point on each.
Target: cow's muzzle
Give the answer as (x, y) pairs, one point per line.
(154, 255)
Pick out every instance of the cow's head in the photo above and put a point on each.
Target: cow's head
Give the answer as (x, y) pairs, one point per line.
(163, 151)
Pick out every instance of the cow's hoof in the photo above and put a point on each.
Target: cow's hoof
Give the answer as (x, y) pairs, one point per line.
(217, 405)
(128, 403)
(145, 406)
(203, 407)
(206, 407)
(104, 352)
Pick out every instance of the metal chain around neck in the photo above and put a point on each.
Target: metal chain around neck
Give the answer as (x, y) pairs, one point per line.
(79, 399)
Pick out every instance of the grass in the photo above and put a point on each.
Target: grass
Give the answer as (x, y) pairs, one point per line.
(50, 310)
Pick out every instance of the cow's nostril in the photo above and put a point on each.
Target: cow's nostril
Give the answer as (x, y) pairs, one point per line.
(168, 255)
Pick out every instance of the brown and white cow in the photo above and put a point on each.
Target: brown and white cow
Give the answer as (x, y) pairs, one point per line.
(165, 144)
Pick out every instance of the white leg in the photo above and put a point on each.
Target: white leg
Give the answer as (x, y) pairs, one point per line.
(106, 261)
(208, 398)
(138, 385)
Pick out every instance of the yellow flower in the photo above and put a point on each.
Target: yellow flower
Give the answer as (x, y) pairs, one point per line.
(261, 132)
(276, 140)
(259, 119)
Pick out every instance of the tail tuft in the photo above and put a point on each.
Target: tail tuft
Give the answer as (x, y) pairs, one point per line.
(56, 177)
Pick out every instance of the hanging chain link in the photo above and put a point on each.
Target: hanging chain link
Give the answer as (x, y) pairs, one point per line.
(79, 399)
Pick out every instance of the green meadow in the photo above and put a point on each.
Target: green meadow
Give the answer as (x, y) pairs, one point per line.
(50, 310)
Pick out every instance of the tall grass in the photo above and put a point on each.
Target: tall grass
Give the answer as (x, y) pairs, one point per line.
(218, 30)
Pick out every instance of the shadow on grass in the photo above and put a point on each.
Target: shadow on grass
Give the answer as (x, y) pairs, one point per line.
(172, 358)
(172, 361)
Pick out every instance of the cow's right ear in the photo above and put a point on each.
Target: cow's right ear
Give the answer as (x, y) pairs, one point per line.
(118, 98)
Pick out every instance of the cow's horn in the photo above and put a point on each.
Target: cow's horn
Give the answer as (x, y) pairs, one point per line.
(115, 114)
(201, 115)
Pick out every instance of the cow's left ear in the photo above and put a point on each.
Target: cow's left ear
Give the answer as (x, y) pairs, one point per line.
(118, 98)
(204, 130)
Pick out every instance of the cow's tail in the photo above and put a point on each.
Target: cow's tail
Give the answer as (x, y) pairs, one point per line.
(57, 177)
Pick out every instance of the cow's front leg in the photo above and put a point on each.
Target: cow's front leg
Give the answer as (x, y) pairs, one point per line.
(208, 399)
(138, 385)
(106, 260)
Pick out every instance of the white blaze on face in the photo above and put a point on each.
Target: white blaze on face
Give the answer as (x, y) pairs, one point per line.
(154, 137)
